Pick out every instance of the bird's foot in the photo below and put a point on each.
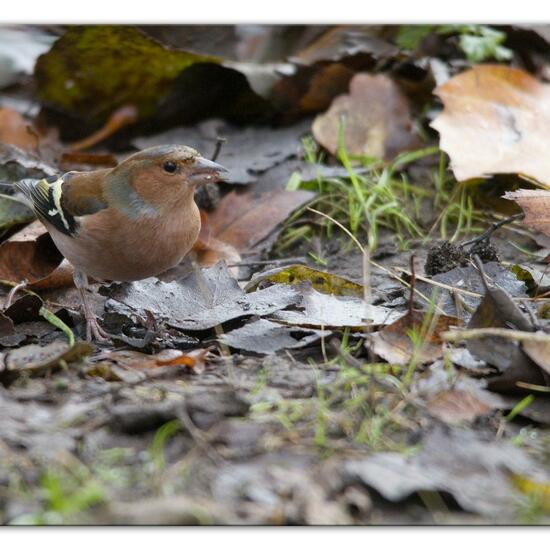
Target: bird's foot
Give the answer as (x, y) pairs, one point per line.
(94, 331)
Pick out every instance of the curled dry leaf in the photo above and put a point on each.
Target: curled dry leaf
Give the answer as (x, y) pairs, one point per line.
(376, 118)
(395, 343)
(495, 121)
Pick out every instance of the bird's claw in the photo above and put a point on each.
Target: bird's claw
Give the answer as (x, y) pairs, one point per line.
(95, 332)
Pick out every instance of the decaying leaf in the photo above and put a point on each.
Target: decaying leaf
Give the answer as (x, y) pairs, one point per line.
(495, 122)
(29, 254)
(266, 337)
(92, 71)
(245, 219)
(412, 336)
(535, 203)
(203, 300)
(376, 119)
(322, 281)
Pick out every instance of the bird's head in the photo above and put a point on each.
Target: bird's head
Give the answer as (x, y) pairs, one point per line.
(167, 174)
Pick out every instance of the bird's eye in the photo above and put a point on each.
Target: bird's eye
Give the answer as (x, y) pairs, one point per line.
(170, 166)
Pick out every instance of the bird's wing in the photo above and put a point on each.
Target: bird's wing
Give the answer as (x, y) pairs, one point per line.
(61, 200)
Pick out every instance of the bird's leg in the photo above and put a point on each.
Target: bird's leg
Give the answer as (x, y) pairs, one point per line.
(92, 326)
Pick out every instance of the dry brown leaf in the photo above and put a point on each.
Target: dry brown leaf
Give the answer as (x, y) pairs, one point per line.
(535, 203)
(458, 406)
(242, 220)
(539, 352)
(376, 117)
(15, 130)
(29, 254)
(394, 344)
(495, 121)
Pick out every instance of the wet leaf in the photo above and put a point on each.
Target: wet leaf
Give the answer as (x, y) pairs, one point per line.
(266, 337)
(494, 122)
(376, 118)
(91, 71)
(29, 254)
(322, 281)
(497, 309)
(245, 219)
(201, 301)
(462, 304)
(323, 310)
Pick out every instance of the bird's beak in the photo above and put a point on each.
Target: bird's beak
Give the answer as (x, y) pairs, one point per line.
(206, 171)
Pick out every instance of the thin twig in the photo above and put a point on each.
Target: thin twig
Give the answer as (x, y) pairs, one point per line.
(219, 143)
(487, 234)
(475, 333)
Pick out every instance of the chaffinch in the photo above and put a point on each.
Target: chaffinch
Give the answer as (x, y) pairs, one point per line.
(126, 223)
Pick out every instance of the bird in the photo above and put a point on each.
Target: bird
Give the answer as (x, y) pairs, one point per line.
(126, 223)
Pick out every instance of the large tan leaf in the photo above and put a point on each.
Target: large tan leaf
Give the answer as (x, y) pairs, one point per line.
(495, 121)
(377, 120)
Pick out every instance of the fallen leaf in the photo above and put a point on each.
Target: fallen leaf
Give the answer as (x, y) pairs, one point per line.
(17, 164)
(475, 471)
(203, 300)
(395, 344)
(246, 152)
(495, 122)
(539, 352)
(13, 212)
(460, 304)
(34, 359)
(535, 203)
(266, 337)
(458, 406)
(245, 219)
(29, 254)
(322, 281)
(15, 130)
(376, 118)
(83, 162)
(324, 310)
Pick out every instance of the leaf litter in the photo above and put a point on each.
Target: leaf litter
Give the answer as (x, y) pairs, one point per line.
(303, 382)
